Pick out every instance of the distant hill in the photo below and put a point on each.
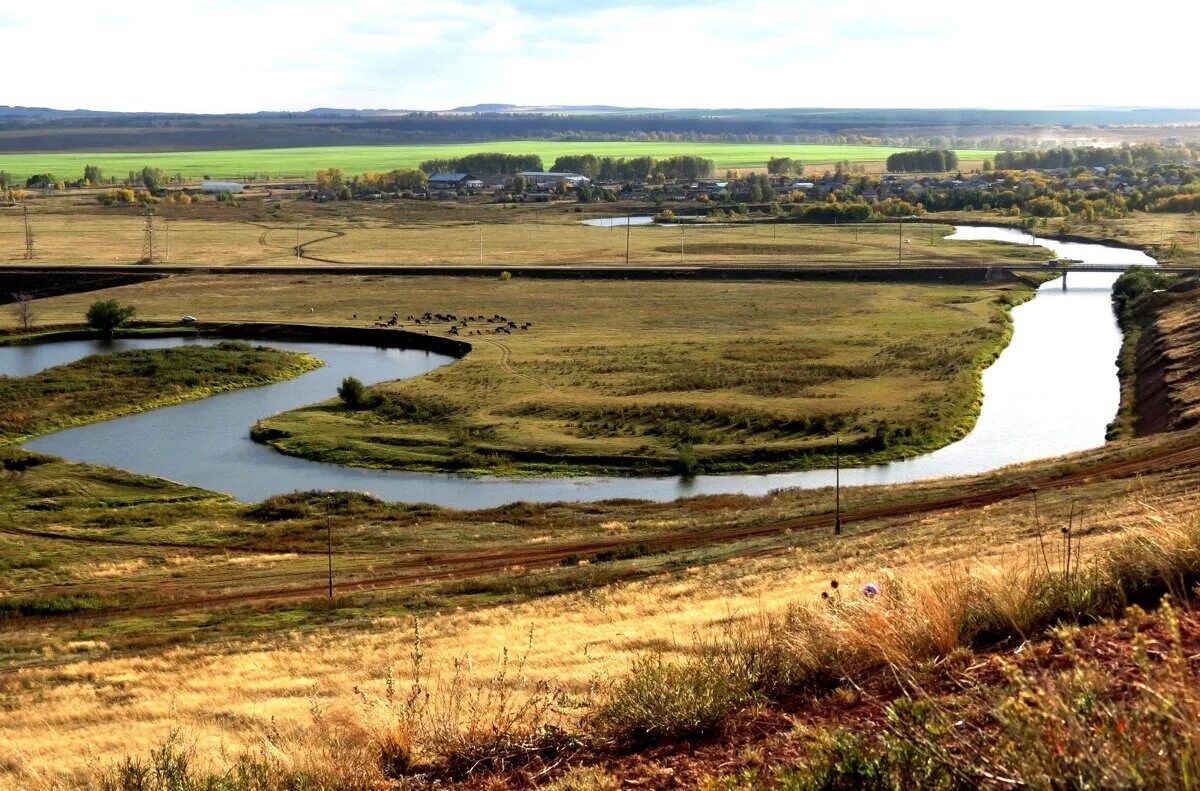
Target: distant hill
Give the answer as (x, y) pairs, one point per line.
(551, 108)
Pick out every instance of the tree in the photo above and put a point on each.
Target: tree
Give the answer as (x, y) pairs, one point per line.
(153, 178)
(92, 174)
(40, 180)
(331, 178)
(518, 184)
(6, 180)
(106, 315)
(352, 392)
(784, 166)
(25, 311)
(411, 180)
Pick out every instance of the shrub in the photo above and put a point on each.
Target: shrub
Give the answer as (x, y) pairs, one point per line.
(106, 315)
(506, 275)
(353, 393)
(659, 700)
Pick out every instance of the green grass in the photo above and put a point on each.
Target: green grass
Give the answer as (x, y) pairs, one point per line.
(304, 162)
(105, 386)
(615, 378)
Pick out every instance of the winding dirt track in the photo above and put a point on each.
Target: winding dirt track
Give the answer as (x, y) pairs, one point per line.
(430, 567)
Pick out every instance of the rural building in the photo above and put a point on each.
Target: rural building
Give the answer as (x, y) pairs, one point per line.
(217, 187)
(453, 182)
(540, 179)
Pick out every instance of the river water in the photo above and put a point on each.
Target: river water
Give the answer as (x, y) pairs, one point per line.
(1052, 391)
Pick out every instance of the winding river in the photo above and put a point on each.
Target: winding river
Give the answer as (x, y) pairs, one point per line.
(1053, 390)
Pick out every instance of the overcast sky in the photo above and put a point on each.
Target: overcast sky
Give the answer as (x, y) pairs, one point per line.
(245, 55)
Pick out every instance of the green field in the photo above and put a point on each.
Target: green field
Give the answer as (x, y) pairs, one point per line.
(302, 162)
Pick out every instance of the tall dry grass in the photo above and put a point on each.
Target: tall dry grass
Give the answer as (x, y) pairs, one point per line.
(477, 721)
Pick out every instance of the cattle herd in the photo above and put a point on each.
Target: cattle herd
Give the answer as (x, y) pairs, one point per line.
(485, 325)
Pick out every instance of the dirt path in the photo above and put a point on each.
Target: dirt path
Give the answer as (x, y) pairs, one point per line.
(432, 567)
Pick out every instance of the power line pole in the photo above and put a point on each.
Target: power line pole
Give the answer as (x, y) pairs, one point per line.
(480, 242)
(297, 243)
(900, 243)
(628, 222)
(29, 252)
(148, 254)
(167, 239)
(329, 549)
(837, 486)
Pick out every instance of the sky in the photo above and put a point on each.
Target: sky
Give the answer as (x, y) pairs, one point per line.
(248, 55)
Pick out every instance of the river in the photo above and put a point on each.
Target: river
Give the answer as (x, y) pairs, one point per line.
(1052, 391)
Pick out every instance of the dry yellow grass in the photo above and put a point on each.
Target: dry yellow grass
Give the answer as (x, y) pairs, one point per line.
(417, 233)
(58, 718)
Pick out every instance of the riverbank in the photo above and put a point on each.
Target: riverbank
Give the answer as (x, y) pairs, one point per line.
(610, 380)
(104, 387)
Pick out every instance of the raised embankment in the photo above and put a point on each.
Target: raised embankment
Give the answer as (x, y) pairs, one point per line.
(266, 331)
(49, 283)
(1167, 365)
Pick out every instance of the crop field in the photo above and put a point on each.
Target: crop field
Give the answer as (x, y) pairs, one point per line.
(304, 162)
(419, 233)
(651, 376)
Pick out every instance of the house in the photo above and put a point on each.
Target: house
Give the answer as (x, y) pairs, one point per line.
(540, 179)
(217, 187)
(451, 182)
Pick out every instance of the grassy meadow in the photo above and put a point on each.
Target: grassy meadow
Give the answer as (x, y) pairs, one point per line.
(416, 233)
(304, 162)
(124, 669)
(106, 386)
(655, 376)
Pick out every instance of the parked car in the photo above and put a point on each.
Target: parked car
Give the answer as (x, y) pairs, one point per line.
(189, 320)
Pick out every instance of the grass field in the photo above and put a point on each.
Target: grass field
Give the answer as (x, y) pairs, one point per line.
(634, 376)
(120, 677)
(136, 608)
(421, 233)
(304, 162)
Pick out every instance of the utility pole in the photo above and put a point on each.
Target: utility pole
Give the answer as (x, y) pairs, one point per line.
(148, 254)
(167, 239)
(297, 243)
(329, 548)
(628, 222)
(681, 244)
(480, 242)
(837, 486)
(900, 244)
(29, 253)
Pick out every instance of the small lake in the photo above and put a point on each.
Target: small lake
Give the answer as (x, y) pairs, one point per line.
(1053, 390)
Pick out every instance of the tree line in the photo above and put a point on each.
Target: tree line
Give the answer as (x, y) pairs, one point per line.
(1141, 155)
(484, 163)
(680, 167)
(925, 160)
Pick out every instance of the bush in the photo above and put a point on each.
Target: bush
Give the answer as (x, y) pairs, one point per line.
(106, 315)
(506, 275)
(353, 393)
(659, 701)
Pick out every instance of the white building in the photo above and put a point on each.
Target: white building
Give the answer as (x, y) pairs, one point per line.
(216, 187)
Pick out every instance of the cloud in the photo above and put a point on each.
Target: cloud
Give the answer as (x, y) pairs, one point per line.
(233, 55)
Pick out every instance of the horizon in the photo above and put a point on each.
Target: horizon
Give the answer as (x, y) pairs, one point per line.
(375, 54)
